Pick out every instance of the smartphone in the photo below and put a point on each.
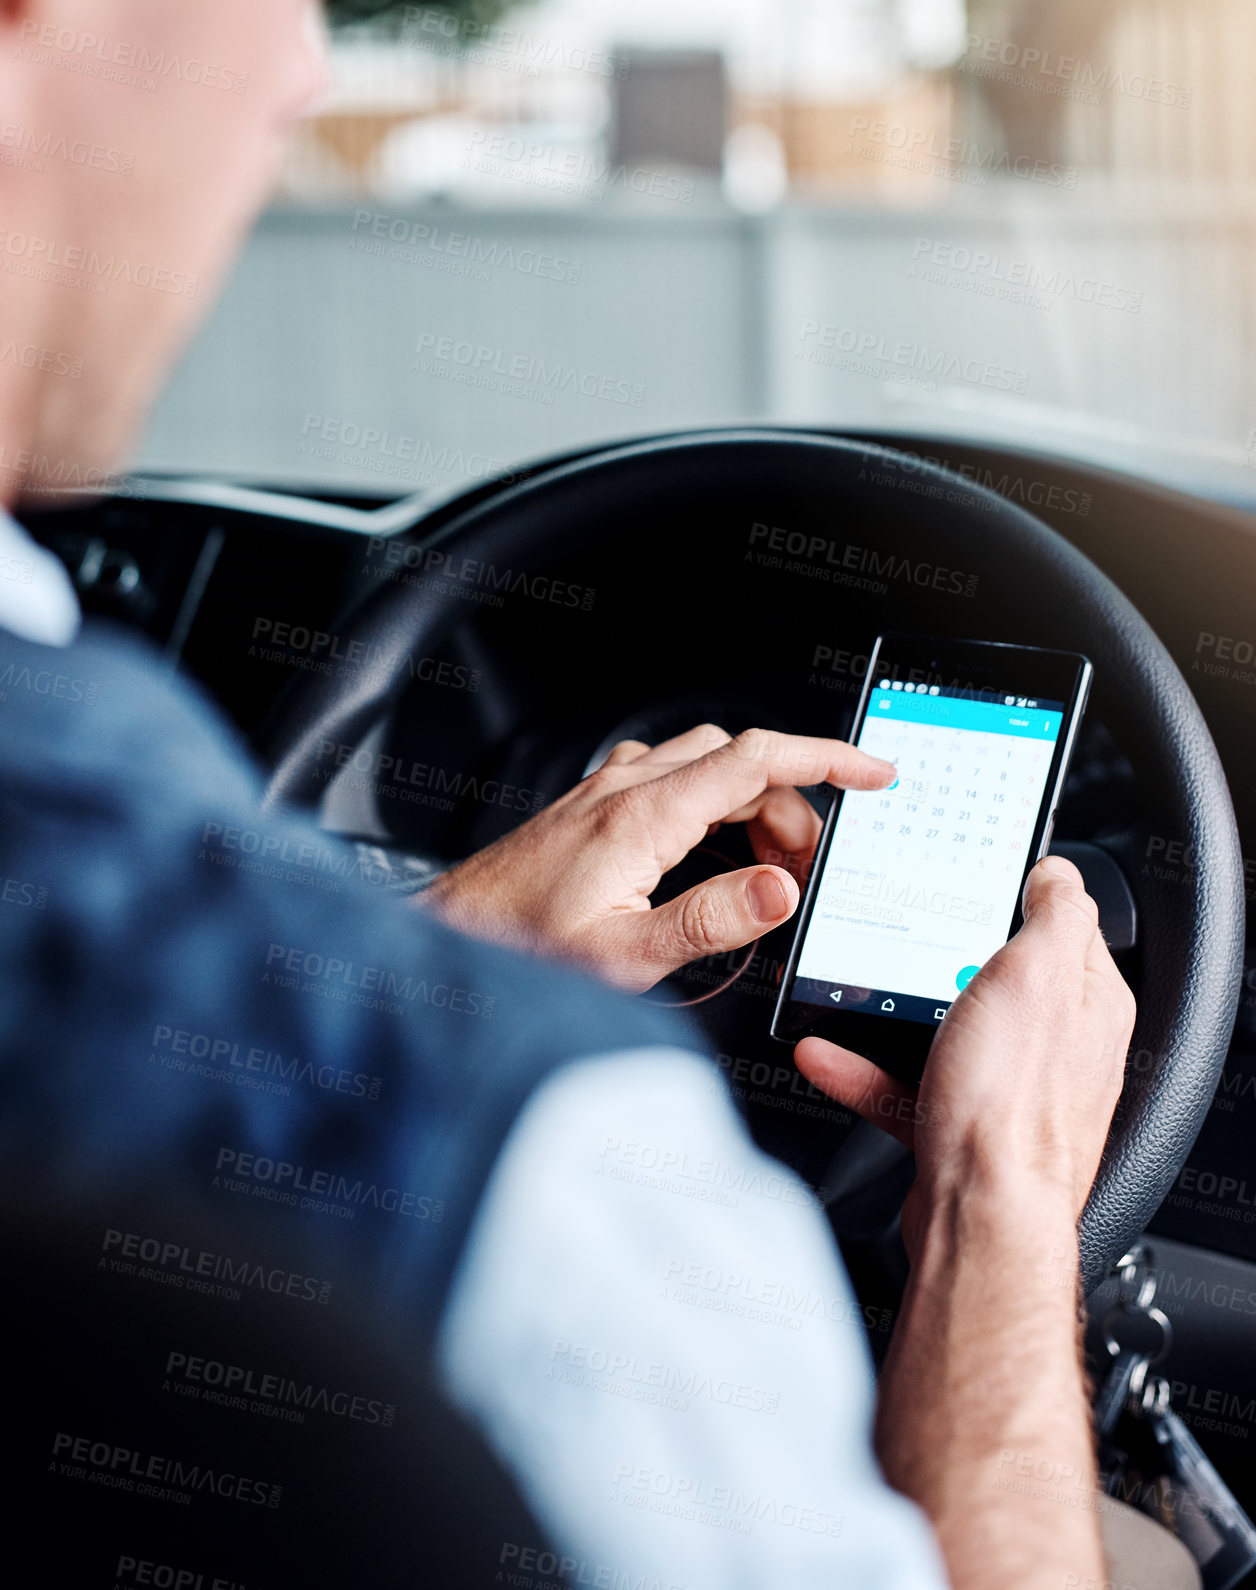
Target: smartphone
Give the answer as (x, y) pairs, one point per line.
(914, 887)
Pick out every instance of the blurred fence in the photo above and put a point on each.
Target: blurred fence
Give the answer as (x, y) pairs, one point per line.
(417, 348)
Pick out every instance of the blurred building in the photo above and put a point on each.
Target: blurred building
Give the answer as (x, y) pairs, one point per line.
(1127, 91)
(799, 85)
(792, 210)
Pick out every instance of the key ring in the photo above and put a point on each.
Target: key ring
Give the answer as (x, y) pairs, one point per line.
(1136, 1278)
(1155, 1315)
(1136, 1290)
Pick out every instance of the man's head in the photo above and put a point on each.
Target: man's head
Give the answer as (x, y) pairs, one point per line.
(137, 140)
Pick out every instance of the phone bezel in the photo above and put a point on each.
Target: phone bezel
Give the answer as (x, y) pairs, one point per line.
(901, 1045)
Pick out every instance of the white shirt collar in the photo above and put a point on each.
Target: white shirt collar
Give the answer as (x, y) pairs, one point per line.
(37, 598)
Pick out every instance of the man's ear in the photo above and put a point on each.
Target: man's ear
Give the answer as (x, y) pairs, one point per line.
(15, 77)
(13, 13)
(26, 19)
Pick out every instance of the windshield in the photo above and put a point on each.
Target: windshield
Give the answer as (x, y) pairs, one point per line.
(515, 230)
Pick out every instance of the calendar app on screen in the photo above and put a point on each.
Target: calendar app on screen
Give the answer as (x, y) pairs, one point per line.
(921, 880)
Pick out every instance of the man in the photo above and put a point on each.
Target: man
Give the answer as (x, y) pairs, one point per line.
(542, 1127)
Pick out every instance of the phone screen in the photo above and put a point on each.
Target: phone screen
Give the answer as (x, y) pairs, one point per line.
(921, 881)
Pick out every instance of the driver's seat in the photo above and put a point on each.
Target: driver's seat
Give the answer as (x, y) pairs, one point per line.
(117, 1467)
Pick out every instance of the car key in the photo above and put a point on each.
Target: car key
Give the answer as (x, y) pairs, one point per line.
(1124, 1380)
(1191, 1497)
(1136, 1334)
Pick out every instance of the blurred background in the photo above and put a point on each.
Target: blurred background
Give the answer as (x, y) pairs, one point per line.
(519, 229)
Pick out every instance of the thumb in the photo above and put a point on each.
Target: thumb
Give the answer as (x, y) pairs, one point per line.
(722, 914)
(1055, 903)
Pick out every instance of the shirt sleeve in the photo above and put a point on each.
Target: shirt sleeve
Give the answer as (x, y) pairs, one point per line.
(37, 597)
(652, 1329)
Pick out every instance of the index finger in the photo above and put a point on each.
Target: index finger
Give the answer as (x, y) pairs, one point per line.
(685, 801)
(861, 1086)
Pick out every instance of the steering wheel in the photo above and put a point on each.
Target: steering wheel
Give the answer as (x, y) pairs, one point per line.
(1191, 924)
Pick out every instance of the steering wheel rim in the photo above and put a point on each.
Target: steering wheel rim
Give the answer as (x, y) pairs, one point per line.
(1192, 927)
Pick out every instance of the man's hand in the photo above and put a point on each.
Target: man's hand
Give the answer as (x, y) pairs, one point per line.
(983, 1385)
(1024, 1072)
(575, 882)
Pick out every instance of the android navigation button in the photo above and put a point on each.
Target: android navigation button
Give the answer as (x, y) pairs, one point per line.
(939, 1013)
(836, 996)
(887, 1004)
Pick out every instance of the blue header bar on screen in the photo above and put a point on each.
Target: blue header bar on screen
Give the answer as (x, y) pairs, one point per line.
(948, 712)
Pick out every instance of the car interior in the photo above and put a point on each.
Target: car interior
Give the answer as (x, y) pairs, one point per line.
(783, 416)
(463, 714)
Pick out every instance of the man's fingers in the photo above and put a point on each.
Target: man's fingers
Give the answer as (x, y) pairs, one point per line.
(626, 751)
(682, 803)
(1055, 905)
(766, 758)
(860, 1086)
(782, 827)
(687, 747)
(645, 762)
(1051, 869)
(724, 913)
(784, 830)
